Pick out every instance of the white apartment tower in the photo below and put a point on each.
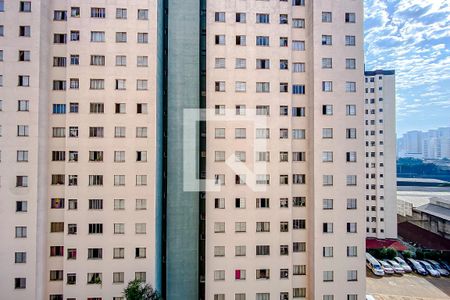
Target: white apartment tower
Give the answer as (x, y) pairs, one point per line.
(93, 149)
(380, 138)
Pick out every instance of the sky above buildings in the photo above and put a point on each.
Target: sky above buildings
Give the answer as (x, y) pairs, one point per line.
(412, 37)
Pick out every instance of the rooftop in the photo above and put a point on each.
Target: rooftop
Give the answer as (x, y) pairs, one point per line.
(379, 72)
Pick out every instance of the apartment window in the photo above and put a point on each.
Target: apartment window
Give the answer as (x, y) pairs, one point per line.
(241, 18)
(240, 133)
(262, 274)
(327, 40)
(352, 275)
(141, 108)
(298, 134)
(284, 64)
(141, 84)
(262, 226)
(240, 156)
(118, 253)
(20, 283)
(142, 38)
(1, 55)
(351, 180)
(327, 133)
(327, 63)
(96, 204)
(119, 228)
(262, 41)
(219, 296)
(97, 36)
(327, 227)
(284, 249)
(21, 231)
(95, 180)
(141, 276)
(299, 247)
(298, 45)
(219, 17)
(22, 155)
(74, 35)
(284, 157)
(350, 63)
(262, 110)
(20, 257)
(350, 133)
(219, 227)
(284, 87)
(263, 64)
(299, 270)
(24, 80)
(96, 132)
(220, 39)
(21, 206)
(350, 110)
(121, 60)
(73, 156)
(121, 37)
(97, 84)
(327, 17)
(73, 204)
(298, 178)
(239, 202)
(74, 83)
(219, 275)
(74, 60)
(298, 23)
(141, 132)
(24, 31)
(60, 15)
(142, 61)
(298, 224)
(328, 276)
(298, 67)
(121, 13)
(119, 180)
(327, 180)
(120, 108)
(327, 204)
(24, 55)
(241, 40)
(350, 18)
(240, 227)
(351, 156)
(327, 110)
(75, 12)
(240, 63)
(327, 86)
(351, 227)
(350, 40)
(262, 18)
(240, 296)
(352, 251)
(98, 12)
(350, 87)
(240, 86)
(141, 180)
(240, 250)
(327, 156)
(284, 19)
(298, 111)
(262, 296)
(95, 253)
(352, 297)
(97, 60)
(262, 87)
(119, 204)
(2, 5)
(298, 156)
(142, 14)
(298, 2)
(262, 133)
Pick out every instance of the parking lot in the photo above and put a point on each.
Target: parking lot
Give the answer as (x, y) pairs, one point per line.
(407, 287)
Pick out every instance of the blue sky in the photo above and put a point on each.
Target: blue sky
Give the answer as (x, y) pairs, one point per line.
(412, 37)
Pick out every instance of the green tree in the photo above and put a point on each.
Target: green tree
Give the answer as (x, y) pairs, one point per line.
(407, 254)
(139, 290)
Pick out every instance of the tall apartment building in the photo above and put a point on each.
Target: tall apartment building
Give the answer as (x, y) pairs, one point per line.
(431, 144)
(261, 199)
(381, 169)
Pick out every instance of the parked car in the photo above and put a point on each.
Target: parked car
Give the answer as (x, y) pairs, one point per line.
(430, 269)
(396, 266)
(438, 267)
(403, 264)
(445, 265)
(386, 267)
(374, 265)
(417, 267)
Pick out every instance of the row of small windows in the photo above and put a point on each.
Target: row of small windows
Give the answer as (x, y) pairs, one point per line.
(98, 108)
(297, 67)
(297, 293)
(98, 84)
(264, 110)
(72, 180)
(73, 132)
(264, 133)
(95, 12)
(98, 37)
(327, 204)
(264, 179)
(264, 156)
(219, 227)
(297, 45)
(264, 18)
(297, 89)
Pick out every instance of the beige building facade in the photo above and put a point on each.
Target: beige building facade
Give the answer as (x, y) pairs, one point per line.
(92, 99)
(381, 153)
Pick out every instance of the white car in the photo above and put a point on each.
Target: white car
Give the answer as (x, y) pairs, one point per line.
(403, 264)
(386, 267)
(430, 269)
(396, 266)
(438, 267)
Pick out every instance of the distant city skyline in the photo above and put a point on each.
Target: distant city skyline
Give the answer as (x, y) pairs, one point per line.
(412, 37)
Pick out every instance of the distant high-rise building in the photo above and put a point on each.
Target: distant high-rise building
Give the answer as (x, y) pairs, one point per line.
(432, 144)
(112, 114)
(381, 173)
